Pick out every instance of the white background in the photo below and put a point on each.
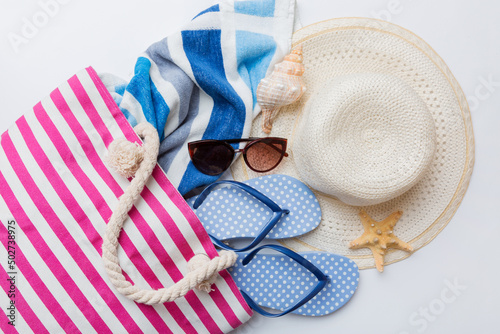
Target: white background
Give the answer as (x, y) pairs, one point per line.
(110, 34)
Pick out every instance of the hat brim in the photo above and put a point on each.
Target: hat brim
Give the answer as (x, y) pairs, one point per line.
(360, 45)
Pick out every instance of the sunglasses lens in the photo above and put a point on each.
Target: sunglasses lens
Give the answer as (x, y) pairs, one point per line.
(264, 155)
(211, 158)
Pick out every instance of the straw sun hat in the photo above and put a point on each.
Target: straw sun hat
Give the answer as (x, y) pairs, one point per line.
(383, 127)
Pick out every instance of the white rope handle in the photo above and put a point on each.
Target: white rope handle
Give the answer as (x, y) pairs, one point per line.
(130, 159)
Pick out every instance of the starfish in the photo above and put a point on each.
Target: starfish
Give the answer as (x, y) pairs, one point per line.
(379, 236)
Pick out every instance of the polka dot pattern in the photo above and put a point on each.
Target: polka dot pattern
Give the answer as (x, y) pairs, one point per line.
(230, 212)
(278, 282)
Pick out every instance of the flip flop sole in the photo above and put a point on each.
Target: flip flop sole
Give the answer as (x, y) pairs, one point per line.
(230, 212)
(278, 282)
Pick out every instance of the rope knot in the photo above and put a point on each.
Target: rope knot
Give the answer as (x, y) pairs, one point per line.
(125, 157)
(200, 261)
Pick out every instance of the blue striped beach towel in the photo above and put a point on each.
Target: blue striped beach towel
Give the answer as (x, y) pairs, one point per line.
(200, 83)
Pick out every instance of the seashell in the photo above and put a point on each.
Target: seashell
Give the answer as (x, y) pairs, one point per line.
(284, 86)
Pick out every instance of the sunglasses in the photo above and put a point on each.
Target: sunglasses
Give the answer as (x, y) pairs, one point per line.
(212, 157)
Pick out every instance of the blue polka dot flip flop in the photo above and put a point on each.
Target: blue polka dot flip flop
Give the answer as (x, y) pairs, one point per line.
(311, 283)
(271, 207)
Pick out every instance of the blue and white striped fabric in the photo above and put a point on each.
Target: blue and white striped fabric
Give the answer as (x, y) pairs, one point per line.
(200, 82)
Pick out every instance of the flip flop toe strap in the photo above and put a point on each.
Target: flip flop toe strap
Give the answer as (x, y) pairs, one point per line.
(278, 212)
(322, 280)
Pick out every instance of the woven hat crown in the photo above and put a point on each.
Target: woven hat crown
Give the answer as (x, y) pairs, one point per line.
(364, 138)
(344, 47)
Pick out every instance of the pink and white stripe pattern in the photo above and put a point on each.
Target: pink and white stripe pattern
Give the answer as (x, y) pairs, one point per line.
(55, 185)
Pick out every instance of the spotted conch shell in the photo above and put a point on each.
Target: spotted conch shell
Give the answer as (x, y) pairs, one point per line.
(284, 86)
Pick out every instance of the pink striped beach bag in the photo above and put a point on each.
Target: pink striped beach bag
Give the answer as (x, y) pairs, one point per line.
(57, 195)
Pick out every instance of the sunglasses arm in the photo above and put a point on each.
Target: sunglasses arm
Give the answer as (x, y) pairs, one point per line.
(274, 147)
(278, 149)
